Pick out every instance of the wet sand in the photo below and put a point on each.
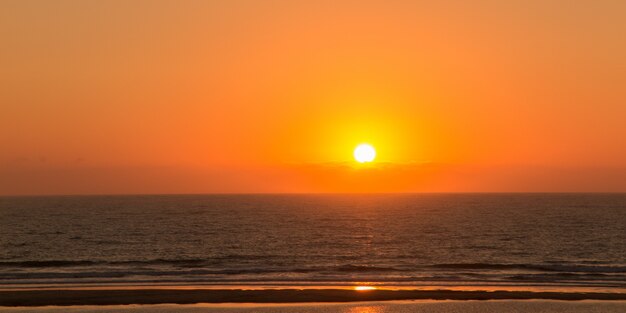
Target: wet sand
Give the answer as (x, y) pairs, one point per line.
(423, 306)
(26, 298)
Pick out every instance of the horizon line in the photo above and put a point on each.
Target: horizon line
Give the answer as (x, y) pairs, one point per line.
(307, 193)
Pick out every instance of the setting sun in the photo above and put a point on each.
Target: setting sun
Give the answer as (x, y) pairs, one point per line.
(364, 153)
(321, 156)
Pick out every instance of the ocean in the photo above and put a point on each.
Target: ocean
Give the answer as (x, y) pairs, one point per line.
(300, 240)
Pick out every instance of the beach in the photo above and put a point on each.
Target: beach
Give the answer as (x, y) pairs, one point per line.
(422, 306)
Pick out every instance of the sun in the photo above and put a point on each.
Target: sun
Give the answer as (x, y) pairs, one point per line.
(364, 153)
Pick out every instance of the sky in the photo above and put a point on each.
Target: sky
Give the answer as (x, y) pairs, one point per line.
(242, 96)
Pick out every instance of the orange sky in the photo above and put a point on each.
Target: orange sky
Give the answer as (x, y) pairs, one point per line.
(273, 96)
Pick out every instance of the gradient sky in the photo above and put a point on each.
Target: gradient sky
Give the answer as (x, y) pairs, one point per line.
(273, 96)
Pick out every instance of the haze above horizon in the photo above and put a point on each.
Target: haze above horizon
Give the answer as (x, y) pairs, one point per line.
(149, 97)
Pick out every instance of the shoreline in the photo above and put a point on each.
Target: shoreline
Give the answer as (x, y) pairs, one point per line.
(98, 297)
(423, 306)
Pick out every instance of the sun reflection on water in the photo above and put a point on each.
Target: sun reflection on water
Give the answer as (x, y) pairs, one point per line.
(365, 309)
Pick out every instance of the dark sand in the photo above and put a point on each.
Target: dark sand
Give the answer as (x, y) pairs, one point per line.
(31, 298)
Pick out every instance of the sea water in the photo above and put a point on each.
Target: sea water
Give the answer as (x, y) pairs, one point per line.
(395, 239)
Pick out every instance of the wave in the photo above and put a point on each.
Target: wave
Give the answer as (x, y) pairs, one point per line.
(116, 272)
(220, 270)
(68, 263)
(177, 262)
(536, 267)
(360, 268)
(165, 277)
(186, 263)
(51, 263)
(183, 263)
